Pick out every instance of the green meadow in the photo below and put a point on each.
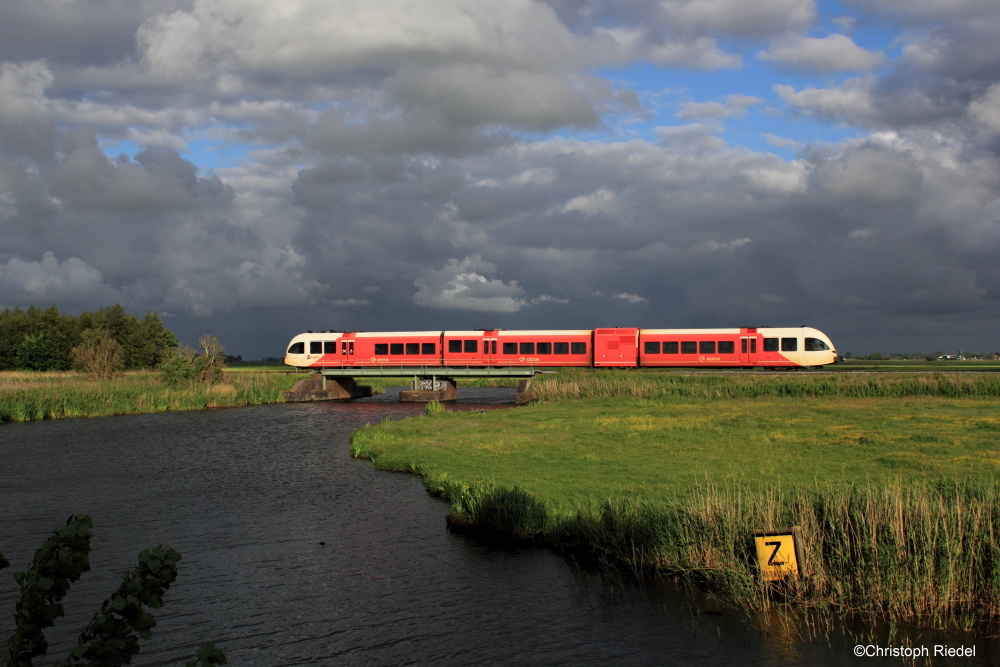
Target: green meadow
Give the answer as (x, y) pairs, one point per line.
(33, 395)
(891, 477)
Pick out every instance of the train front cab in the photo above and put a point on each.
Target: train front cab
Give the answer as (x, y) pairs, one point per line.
(313, 349)
(795, 347)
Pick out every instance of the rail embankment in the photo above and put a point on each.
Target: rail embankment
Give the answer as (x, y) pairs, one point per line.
(893, 481)
(33, 395)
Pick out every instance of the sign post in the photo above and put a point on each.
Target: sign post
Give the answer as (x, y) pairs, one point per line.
(779, 553)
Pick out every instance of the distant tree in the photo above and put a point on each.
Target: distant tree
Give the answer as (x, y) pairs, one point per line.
(187, 365)
(43, 339)
(148, 344)
(209, 363)
(98, 353)
(35, 353)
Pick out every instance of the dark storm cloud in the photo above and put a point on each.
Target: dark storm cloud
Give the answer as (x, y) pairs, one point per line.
(79, 32)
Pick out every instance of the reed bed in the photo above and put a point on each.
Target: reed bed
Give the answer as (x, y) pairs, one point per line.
(635, 385)
(30, 396)
(925, 553)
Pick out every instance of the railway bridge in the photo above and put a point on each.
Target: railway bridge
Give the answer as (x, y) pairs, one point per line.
(428, 383)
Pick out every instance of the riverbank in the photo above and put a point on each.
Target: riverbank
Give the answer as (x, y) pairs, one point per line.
(29, 396)
(892, 479)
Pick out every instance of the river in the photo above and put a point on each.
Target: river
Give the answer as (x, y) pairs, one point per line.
(295, 553)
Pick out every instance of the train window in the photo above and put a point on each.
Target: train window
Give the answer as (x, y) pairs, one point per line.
(726, 347)
(330, 347)
(471, 346)
(396, 348)
(753, 346)
(527, 348)
(578, 348)
(510, 348)
(651, 347)
(689, 347)
(670, 347)
(413, 348)
(706, 347)
(297, 348)
(770, 344)
(454, 346)
(789, 344)
(315, 347)
(382, 348)
(493, 347)
(428, 348)
(545, 348)
(815, 345)
(561, 348)
(743, 345)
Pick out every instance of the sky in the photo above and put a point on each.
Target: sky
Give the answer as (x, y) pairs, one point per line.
(254, 169)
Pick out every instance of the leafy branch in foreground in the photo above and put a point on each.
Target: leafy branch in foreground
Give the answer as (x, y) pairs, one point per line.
(112, 637)
(60, 561)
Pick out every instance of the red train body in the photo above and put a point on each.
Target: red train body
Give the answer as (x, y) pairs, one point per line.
(612, 348)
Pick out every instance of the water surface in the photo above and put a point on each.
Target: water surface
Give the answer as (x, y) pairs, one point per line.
(295, 553)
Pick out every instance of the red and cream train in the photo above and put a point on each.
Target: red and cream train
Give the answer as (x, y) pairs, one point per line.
(617, 348)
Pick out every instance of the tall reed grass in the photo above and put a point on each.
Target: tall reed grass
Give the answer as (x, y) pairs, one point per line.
(925, 553)
(29, 396)
(632, 385)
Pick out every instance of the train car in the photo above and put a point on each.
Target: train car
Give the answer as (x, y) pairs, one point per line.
(745, 347)
(769, 347)
(545, 348)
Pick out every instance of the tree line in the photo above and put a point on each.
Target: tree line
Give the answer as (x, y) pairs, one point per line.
(44, 339)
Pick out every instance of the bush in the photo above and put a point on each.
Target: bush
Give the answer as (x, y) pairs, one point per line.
(98, 354)
(187, 366)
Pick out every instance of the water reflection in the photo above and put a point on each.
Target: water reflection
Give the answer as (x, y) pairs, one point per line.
(296, 553)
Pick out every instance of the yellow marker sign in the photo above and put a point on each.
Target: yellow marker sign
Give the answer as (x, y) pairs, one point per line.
(776, 556)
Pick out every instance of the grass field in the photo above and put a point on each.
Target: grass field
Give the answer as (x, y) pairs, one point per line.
(893, 479)
(29, 395)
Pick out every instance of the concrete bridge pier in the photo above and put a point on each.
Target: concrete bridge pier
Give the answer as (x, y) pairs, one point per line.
(318, 387)
(521, 396)
(429, 388)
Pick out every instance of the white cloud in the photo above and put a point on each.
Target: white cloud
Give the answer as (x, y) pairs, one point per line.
(850, 103)
(693, 137)
(735, 106)
(599, 201)
(22, 90)
(465, 285)
(833, 53)
(630, 298)
(781, 142)
(50, 281)
(985, 110)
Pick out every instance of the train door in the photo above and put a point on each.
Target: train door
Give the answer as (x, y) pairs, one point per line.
(347, 350)
(748, 350)
(490, 348)
(616, 347)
